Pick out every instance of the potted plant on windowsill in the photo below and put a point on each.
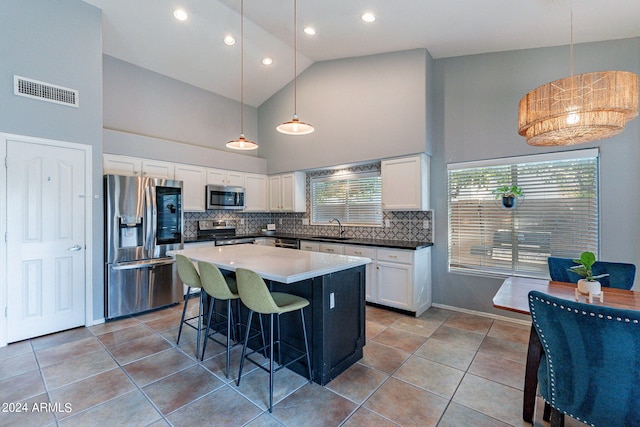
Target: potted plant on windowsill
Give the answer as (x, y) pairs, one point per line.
(589, 284)
(509, 195)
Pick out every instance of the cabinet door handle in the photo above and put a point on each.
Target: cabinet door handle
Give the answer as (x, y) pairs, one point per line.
(393, 256)
(329, 250)
(358, 253)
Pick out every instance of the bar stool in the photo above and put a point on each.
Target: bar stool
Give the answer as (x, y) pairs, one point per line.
(190, 277)
(224, 288)
(255, 295)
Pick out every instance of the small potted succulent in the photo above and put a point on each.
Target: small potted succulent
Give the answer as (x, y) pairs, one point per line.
(509, 195)
(589, 283)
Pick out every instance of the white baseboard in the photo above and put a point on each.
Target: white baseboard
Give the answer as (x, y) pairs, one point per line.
(483, 314)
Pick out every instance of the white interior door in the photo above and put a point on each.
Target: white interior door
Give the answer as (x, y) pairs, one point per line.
(45, 239)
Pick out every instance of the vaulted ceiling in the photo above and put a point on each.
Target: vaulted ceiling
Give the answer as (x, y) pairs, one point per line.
(145, 33)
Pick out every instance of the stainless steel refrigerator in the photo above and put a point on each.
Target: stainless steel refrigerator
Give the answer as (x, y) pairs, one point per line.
(143, 220)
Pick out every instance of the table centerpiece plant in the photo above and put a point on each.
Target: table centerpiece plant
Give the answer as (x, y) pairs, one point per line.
(589, 283)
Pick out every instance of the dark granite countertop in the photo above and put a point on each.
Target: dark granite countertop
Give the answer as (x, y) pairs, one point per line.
(394, 244)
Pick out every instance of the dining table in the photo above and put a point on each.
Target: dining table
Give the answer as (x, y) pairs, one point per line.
(513, 295)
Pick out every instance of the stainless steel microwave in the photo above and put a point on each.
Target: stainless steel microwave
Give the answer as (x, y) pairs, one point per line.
(220, 197)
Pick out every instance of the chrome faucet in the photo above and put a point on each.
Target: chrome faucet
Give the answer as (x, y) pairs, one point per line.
(340, 230)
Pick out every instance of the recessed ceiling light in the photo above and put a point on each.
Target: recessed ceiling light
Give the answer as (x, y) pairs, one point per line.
(229, 40)
(310, 31)
(180, 14)
(267, 61)
(368, 17)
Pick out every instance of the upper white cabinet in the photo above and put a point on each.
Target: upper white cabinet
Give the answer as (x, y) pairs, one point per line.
(405, 183)
(225, 178)
(158, 169)
(255, 193)
(194, 180)
(121, 165)
(287, 192)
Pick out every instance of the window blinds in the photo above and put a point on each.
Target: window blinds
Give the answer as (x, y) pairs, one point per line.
(558, 215)
(353, 199)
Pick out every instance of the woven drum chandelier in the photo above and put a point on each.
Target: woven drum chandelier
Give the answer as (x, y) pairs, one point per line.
(581, 108)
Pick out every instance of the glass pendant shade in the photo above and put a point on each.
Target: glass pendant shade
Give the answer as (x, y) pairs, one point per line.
(295, 127)
(242, 143)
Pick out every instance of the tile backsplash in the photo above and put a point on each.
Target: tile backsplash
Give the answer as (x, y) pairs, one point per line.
(404, 225)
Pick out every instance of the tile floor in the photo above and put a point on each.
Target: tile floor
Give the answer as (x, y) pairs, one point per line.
(442, 369)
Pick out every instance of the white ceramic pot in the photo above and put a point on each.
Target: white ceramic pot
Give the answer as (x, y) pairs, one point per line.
(586, 286)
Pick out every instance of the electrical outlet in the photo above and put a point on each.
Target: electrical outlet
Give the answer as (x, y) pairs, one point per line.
(241, 221)
(387, 223)
(305, 221)
(425, 223)
(332, 300)
(280, 221)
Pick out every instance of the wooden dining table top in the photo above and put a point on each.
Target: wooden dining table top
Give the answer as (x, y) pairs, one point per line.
(513, 295)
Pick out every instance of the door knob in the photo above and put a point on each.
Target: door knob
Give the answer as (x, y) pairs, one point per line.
(74, 248)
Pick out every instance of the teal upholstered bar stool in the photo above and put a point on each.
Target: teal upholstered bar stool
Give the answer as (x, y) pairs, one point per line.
(224, 288)
(190, 277)
(255, 295)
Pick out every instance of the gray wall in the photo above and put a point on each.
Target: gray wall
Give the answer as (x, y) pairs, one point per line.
(476, 103)
(143, 102)
(363, 108)
(58, 42)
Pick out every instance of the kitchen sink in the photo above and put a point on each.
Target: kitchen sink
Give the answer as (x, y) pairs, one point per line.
(331, 238)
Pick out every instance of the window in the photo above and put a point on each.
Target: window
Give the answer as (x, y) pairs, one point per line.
(354, 199)
(558, 215)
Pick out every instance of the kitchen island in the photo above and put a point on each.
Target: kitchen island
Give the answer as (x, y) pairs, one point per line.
(334, 286)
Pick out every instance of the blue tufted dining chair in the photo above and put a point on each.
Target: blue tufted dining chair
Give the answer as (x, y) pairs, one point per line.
(621, 275)
(591, 363)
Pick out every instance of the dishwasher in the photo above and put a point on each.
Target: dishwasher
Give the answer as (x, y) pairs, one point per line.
(287, 243)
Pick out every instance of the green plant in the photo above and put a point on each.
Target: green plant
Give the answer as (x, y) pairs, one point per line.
(508, 191)
(586, 261)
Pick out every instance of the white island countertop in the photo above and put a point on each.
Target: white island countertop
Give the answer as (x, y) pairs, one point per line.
(279, 264)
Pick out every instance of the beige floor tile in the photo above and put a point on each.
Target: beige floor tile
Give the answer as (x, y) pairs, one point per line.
(504, 371)
(467, 339)
(265, 420)
(78, 368)
(159, 314)
(131, 409)
(137, 349)
(406, 405)
(225, 406)
(435, 313)
(382, 316)
(510, 331)
(15, 349)
(59, 353)
(431, 376)
(490, 398)
(160, 423)
(121, 336)
(400, 339)
(417, 325)
(115, 325)
(158, 365)
(19, 387)
(373, 328)
(255, 386)
(358, 382)
(92, 391)
(504, 349)
(469, 322)
(365, 418)
(446, 353)
(164, 323)
(60, 338)
(28, 413)
(17, 365)
(459, 416)
(181, 388)
(188, 335)
(218, 364)
(382, 357)
(313, 405)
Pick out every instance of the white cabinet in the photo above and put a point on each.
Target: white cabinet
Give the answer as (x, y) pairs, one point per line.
(121, 165)
(256, 193)
(225, 178)
(194, 180)
(287, 192)
(332, 248)
(306, 245)
(405, 183)
(368, 252)
(158, 169)
(265, 241)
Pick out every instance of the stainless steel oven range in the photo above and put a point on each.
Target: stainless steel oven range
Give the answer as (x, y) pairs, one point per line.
(221, 232)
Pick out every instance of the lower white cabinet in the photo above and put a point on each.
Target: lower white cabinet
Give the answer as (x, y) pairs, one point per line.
(371, 293)
(332, 248)
(306, 245)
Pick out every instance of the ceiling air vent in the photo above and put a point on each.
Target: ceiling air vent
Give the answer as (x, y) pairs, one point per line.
(30, 88)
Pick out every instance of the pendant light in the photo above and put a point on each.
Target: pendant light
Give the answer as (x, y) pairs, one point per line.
(295, 126)
(242, 143)
(577, 109)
